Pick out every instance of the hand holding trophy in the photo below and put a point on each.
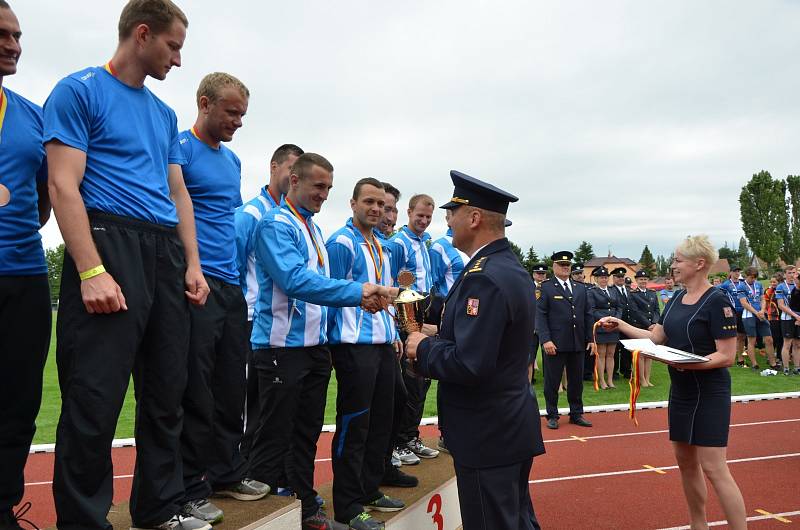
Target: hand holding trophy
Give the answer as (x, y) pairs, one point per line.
(409, 313)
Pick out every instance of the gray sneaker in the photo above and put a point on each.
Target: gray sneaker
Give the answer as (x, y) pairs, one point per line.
(406, 456)
(178, 522)
(396, 459)
(421, 450)
(385, 504)
(245, 490)
(202, 509)
(365, 521)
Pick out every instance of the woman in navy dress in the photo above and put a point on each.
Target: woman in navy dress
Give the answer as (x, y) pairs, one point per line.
(700, 320)
(604, 305)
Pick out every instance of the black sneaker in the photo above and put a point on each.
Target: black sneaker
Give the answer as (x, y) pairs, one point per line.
(365, 521)
(394, 477)
(384, 504)
(10, 520)
(318, 521)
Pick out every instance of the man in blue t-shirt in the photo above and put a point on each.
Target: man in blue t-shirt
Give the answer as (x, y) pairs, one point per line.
(750, 294)
(24, 293)
(131, 270)
(214, 401)
(731, 288)
(790, 320)
(246, 219)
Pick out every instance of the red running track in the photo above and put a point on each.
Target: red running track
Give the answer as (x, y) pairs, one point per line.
(596, 477)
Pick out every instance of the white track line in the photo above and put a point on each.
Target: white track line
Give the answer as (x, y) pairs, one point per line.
(653, 470)
(130, 442)
(753, 518)
(643, 433)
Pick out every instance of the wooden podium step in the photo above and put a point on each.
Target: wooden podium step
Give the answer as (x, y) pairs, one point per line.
(270, 513)
(431, 505)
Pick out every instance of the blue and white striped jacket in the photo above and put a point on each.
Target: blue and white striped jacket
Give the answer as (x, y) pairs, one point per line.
(447, 262)
(410, 252)
(246, 218)
(350, 259)
(294, 289)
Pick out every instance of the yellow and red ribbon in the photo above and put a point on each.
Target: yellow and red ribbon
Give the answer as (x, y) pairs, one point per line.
(110, 69)
(379, 264)
(294, 211)
(3, 106)
(635, 384)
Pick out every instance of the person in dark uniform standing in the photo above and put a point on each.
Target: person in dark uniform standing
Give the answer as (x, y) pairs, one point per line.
(646, 315)
(577, 274)
(603, 304)
(700, 320)
(539, 276)
(564, 324)
(479, 358)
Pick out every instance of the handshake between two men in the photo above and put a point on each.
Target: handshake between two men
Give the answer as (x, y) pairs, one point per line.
(376, 298)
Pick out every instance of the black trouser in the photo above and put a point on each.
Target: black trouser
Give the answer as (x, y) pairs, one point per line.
(417, 390)
(535, 349)
(496, 498)
(777, 337)
(400, 397)
(96, 354)
(214, 399)
(364, 406)
(25, 319)
(553, 368)
(252, 407)
(294, 385)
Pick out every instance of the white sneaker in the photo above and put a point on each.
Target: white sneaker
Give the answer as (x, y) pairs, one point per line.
(177, 522)
(407, 457)
(421, 450)
(396, 459)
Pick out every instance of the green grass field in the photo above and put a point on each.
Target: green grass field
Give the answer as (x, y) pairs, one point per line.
(745, 382)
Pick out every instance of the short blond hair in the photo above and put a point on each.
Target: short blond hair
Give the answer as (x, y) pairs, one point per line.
(425, 200)
(213, 83)
(699, 247)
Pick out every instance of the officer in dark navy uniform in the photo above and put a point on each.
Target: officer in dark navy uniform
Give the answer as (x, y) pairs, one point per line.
(645, 302)
(564, 324)
(479, 358)
(539, 276)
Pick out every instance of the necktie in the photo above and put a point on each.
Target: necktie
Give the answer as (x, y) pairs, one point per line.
(567, 287)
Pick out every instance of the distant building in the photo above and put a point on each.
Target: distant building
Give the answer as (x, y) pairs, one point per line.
(721, 265)
(612, 262)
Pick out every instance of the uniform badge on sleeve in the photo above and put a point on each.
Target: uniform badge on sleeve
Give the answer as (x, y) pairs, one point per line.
(728, 312)
(472, 307)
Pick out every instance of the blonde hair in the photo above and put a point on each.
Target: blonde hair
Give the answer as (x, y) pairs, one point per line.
(425, 200)
(699, 247)
(213, 83)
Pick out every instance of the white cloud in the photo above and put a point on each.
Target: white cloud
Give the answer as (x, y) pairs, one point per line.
(621, 123)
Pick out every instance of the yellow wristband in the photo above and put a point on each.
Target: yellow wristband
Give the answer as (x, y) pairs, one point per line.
(91, 273)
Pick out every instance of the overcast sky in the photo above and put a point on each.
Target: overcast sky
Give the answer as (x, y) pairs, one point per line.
(619, 123)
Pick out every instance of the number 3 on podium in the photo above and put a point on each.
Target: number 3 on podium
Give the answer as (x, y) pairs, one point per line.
(435, 506)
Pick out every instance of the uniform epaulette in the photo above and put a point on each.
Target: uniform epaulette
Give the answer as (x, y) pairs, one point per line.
(478, 265)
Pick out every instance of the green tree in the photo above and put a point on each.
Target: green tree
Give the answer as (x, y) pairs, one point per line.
(517, 252)
(584, 252)
(743, 253)
(55, 259)
(729, 254)
(531, 259)
(791, 241)
(762, 204)
(647, 262)
(663, 265)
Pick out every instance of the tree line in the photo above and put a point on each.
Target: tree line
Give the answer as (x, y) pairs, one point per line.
(770, 215)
